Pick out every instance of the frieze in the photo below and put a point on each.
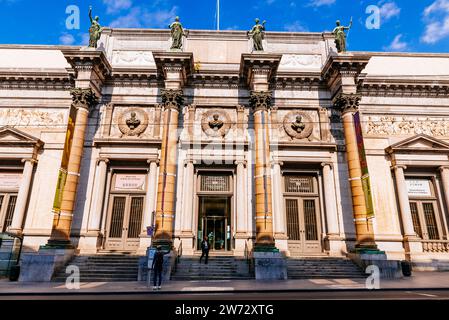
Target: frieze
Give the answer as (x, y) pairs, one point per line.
(293, 61)
(133, 58)
(390, 125)
(32, 118)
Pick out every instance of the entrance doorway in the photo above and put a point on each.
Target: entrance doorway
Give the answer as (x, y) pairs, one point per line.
(214, 222)
(303, 215)
(126, 205)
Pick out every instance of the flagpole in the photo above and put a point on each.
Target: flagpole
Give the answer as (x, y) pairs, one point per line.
(217, 15)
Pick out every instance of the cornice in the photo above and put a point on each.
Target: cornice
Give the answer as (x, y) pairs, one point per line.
(36, 80)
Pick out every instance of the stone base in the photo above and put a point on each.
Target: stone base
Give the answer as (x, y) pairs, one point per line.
(42, 265)
(270, 266)
(89, 243)
(389, 269)
(144, 244)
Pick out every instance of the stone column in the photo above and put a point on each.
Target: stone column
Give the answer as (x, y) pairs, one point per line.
(330, 203)
(412, 244)
(241, 230)
(22, 197)
(444, 171)
(260, 101)
(165, 208)
(280, 227)
(97, 208)
(349, 103)
(187, 210)
(83, 100)
(150, 199)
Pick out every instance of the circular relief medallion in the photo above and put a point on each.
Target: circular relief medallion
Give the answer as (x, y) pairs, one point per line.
(133, 122)
(298, 125)
(216, 123)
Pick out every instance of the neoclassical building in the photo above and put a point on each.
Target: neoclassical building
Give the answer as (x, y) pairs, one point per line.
(297, 148)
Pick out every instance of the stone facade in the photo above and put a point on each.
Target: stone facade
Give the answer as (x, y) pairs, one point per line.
(270, 137)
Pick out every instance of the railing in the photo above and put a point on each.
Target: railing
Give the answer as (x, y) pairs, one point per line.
(248, 256)
(10, 251)
(435, 246)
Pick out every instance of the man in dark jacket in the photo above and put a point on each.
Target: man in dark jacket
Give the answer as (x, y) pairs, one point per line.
(157, 267)
(205, 247)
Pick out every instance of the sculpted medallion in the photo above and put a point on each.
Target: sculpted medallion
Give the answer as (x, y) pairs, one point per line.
(216, 123)
(298, 125)
(133, 122)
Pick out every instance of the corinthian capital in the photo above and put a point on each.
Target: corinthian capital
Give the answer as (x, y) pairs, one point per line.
(172, 98)
(260, 100)
(347, 102)
(83, 98)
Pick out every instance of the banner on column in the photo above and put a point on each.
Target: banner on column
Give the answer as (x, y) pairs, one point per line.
(62, 177)
(366, 183)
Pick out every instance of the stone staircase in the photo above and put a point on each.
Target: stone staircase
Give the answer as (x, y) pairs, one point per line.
(218, 268)
(323, 268)
(104, 268)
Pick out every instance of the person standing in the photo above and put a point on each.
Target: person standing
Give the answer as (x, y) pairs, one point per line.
(205, 247)
(157, 267)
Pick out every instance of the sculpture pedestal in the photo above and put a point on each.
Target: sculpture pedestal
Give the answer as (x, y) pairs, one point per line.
(42, 265)
(270, 266)
(389, 269)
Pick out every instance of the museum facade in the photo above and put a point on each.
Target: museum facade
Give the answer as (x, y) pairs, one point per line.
(296, 148)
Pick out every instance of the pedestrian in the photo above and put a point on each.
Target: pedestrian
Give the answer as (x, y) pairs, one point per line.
(205, 247)
(157, 267)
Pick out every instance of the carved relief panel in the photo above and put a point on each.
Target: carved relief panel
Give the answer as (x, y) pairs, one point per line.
(130, 122)
(297, 125)
(215, 123)
(398, 125)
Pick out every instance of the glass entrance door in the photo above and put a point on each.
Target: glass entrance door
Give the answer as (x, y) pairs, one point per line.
(214, 222)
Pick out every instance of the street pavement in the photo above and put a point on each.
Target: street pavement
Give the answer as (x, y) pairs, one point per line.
(418, 281)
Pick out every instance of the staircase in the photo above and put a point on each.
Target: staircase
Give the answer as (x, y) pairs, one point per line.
(322, 268)
(103, 268)
(218, 268)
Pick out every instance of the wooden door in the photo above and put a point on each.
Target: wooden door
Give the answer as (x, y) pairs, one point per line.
(7, 207)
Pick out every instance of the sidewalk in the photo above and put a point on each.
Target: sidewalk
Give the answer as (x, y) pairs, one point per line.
(419, 281)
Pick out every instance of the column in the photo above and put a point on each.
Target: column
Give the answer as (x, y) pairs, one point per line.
(188, 196)
(348, 103)
(280, 227)
(260, 101)
(97, 208)
(165, 208)
(150, 199)
(83, 100)
(241, 195)
(330, 201)
(404, 204)
(445, 180)
(22, 197)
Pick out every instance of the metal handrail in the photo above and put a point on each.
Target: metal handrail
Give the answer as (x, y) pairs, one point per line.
(14, 255)
(248, 256)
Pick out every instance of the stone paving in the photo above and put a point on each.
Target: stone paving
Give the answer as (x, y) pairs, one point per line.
(419, 280)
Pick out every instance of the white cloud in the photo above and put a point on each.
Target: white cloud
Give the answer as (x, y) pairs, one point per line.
(130, 20)
(397, 44)
(389, 10)
(117, 5)
(436, 17)
(67, 39)
(160, 18)
(295, 26)
(140, 17)
(319, 3)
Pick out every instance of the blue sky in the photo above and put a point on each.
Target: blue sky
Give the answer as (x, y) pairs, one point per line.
(405, 25)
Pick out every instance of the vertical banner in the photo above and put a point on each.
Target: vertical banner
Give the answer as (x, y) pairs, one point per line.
(62, 177)
(366, 183)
